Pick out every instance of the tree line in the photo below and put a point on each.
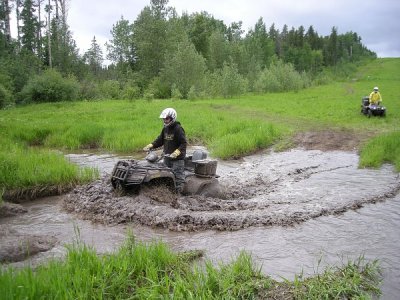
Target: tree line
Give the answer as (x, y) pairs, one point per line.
(160, 55)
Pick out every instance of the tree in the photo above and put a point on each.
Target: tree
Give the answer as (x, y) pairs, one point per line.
(186, 68)
(313, 39)
(62, 52)
(218, 52)
(259, 45)
(331, 48)
(121, 48)
(149, 37)
(94, 57)
(200, 27)
(30, 27)
(5, 27)
(235, 31)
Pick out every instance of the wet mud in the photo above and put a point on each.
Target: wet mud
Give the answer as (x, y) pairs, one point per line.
(266, 189)
(17, 246)
(8, 209)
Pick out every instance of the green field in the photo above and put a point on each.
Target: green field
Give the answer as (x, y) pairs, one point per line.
(34, 137)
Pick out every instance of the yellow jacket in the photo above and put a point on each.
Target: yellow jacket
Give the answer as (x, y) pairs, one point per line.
(375, 97)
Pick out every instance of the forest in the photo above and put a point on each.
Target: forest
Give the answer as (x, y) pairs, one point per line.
(161, 55)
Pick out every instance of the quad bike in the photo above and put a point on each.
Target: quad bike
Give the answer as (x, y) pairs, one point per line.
(372, 109)
(200, 174)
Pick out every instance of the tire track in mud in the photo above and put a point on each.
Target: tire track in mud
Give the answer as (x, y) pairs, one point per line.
(254, 201)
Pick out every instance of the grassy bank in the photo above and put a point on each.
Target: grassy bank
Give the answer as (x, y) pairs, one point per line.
(228, 127)
(28, 172)
(153, 271)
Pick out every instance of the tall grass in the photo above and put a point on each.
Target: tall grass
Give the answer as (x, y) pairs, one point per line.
(22, 167)
(348, 282)
(152, 271)
(384, 148)
(122, 126)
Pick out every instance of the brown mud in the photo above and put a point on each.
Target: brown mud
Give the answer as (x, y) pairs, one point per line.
(329, 140)
(256, 192)
(239, 209)
(16, 246)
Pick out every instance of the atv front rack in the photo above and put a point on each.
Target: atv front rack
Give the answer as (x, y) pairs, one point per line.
(130, 172)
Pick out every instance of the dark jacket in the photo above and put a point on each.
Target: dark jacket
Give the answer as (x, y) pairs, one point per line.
(172, 137)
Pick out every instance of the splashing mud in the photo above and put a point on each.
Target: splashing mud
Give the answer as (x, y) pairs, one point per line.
(260, 190)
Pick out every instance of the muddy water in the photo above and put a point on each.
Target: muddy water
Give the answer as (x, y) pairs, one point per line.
(344, 212)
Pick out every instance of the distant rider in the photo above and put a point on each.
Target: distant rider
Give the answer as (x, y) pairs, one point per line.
(173, 138)
(375, 97)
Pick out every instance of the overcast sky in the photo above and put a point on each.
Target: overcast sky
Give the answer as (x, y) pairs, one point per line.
(377, 22)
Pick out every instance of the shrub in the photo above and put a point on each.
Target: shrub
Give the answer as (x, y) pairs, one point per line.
(130, 91)
(280, 77)
(5, 97)
(110, 89)
(233, 83)
(227, 82)
(159, 89)
(49, 87)
(196, 93)
(89, 90)
(267, 82)
(176, 93)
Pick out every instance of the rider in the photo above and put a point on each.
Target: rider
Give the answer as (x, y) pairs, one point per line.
(375, 97)
(173, 138)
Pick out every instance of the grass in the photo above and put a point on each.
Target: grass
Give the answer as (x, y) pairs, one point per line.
(152, 271)
(383, 148)
(350, 281)
(230, 128)
(32, 172)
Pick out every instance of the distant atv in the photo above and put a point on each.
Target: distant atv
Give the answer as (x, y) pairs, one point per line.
(372, 109)
(200, 172)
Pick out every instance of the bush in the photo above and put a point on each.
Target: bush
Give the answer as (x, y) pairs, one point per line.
(5, 97)
(281, 77)
(267, 82)
(176, 93)
(110, 89)
(197, 93)
(227, 82)
(89, 90)
(130, 91)
(49, 87)
(159, 89)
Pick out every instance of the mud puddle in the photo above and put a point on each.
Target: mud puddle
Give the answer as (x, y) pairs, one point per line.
(335, 212)
(261, 190)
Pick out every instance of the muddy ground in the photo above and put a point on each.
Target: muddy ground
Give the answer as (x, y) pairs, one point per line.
(330, 140)
(256, 191)
(254, 194)
(17, 246)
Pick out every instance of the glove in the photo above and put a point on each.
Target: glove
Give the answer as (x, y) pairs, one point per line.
(148, 147)
(175, 154)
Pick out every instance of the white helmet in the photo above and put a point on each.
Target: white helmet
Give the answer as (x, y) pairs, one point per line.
(169, 113)
(376, 88)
